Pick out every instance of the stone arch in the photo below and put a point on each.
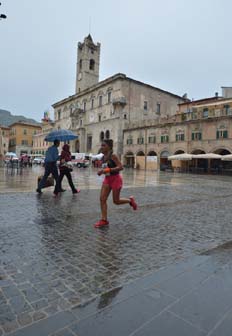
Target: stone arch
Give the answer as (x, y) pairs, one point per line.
(222, 151)
(198, 151)
(164, 153)
(179, 151)
(152, 153)
(140, 153)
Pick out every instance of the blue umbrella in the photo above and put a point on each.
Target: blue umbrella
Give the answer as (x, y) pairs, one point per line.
(61, 135)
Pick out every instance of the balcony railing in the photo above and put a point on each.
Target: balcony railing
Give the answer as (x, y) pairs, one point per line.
(119, 101)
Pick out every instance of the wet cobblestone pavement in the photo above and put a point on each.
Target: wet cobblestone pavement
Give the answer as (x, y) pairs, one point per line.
(52, 259)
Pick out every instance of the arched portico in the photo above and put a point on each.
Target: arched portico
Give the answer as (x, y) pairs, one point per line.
(198, 165)
(164, 162)
(221, 166)
(180, 165)
(151, 160)
(140, 160)
(129, 160)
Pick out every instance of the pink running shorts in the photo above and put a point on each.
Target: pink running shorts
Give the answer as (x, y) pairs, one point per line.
(113, 181)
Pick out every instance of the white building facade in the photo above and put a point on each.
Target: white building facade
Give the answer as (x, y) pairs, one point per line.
(100, 110)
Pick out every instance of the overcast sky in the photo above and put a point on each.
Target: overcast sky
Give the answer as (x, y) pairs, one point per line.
(177, 45)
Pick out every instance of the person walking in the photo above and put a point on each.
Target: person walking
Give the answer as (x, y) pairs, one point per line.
(65, 170)
(51, 158)
(111, 167)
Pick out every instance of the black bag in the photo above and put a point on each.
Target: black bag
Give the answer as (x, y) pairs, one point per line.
(49, 182)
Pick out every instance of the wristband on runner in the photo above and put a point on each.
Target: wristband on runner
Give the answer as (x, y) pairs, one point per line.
(106, 170)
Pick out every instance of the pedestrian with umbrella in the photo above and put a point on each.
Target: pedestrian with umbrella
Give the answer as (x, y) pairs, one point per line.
(51, 158)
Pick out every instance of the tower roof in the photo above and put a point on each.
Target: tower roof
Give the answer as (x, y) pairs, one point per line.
(89, 37)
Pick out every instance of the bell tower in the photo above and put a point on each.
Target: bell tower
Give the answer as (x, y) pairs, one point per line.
(88, 60)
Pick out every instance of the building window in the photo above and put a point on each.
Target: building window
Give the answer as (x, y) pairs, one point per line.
(196, 136)
(158, 108)
(151, 139)
(164, 138)
(222, 134)
(80, 122)
(58, 114)
(125, 116)
(107, 134)
(99, 118)
(80, 64)
(92, 104)
(140, 141)
(227, 109)
(129, 141)
(109, 97)
(84, 106)
(180, 137)
(89, 142)
(100, 100)
(24, 142)
(102, 136)
(145, 105)
(91, 64)
(25, 131)
(205, 113)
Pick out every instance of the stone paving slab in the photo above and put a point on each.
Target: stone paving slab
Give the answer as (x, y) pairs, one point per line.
(52, 259)
(147, 312)
(47, 326)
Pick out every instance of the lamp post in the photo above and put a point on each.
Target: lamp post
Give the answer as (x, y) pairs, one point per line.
(2, 16)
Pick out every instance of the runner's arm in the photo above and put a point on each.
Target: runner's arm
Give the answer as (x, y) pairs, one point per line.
(118, 164)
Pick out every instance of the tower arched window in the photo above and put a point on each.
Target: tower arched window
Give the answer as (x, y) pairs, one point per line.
(102, 136)
(80, 64)
(107, 134)
(91, 64)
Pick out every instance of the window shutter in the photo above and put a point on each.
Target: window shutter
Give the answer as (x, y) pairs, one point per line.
(192, 136)
(199, 136)
(225, 134)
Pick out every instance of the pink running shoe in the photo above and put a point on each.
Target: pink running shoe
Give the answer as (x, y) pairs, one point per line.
(133, 204)
(76, 191)
(100, 223)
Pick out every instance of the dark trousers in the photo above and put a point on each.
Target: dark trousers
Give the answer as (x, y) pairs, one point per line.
(64, 172)
(50, 168)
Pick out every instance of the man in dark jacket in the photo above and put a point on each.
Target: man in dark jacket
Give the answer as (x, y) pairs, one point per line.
(51, 158)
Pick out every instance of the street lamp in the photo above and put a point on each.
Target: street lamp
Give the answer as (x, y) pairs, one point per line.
(2, 16)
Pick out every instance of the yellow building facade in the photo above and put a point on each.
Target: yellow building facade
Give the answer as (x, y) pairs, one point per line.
(21, 137)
